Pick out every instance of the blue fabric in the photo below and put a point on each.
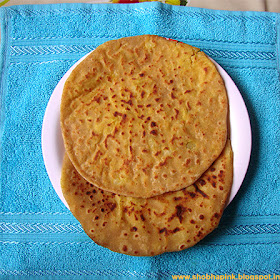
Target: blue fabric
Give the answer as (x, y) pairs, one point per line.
(38, 235)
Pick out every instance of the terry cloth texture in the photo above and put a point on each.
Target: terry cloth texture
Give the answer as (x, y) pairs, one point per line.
(38, 235)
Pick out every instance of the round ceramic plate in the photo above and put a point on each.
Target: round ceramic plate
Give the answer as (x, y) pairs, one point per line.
(240, 134)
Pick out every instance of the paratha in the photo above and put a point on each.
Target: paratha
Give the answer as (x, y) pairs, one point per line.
(143, 115)
(145, 227)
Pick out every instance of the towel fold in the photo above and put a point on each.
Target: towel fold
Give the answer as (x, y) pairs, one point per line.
(38, 235)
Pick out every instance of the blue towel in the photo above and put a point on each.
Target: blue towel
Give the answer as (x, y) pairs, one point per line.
(39, 238)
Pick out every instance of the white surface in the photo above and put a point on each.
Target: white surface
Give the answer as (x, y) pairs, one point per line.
(240, 134)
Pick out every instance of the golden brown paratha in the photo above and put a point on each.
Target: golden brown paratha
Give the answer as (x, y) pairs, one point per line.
(143, 115)
(145, 227)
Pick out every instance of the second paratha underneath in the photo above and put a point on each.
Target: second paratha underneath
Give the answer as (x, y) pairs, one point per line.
(144, 227)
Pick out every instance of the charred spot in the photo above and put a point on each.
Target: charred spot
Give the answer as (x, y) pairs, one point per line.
(129, 102)
(153, 124)
(202, 182)
(164, 162)
(163, 230)
(133, 229)
(124, 116)
(192, 221)
(141, 74)
(96, 217)
(142, 94)
(88, 193)
(216, 215)
(208, 179)
(199, 234)
(157, 153)
(180, 210)
(154, 132)
(157, 99)
(142, 217)
(201, 217)
(187, 162)
(177, 198)
(94, 134)
(192, 195)
(102, 210)
(221, 176)
(155, 89)
(97, 99)
(221, 188)
(117, 114)
(111, 205)
(124, 248)
(188, 91)
(212, 169)
(200, 191)
(213, 184)
(182, 247)
(144, 170)
(172, 95)
(176, 230)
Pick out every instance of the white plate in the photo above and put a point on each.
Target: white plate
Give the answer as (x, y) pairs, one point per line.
(240, 130)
